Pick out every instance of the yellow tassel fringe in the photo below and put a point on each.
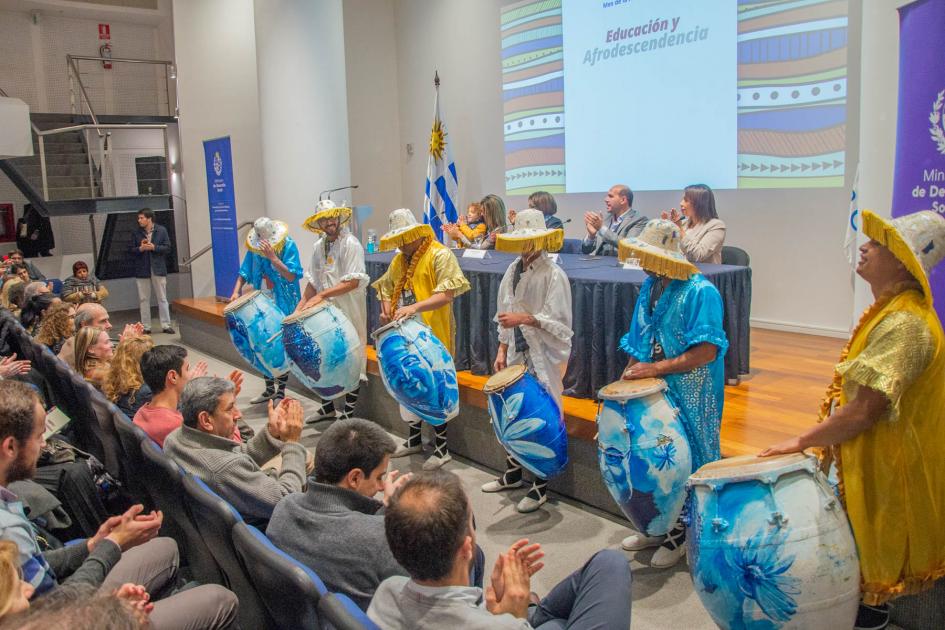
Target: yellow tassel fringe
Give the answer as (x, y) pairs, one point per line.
(420, 230)
(883, 232)
(655, 263)
(311, 223)
(548, 242)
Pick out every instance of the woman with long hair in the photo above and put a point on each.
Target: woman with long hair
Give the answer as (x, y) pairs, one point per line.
(5, 302)
(703, 233)
(57, 326)
(15, 592)
(93, 353)
(34, 310)
(124, 385)
(493, 213)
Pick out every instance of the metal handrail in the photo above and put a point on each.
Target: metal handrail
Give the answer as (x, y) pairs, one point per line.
(88, 103)
(3, 94)
(155, 62)
(50, 132)
(74, 67)
(186, 262)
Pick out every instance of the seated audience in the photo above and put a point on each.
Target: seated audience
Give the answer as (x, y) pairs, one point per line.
(34, 310)
(35, 288)
(93, 353)
(204, 447)
(91, 314)
(16, 258)
(493, 213)
(430, 529)
(17, 296)
(703, 233)
(545, 203)
(124, 385)
(57, 326)
(469, 228)
(336, 527)
(622, 221)
(84, 608)
(5, 302)
(100, 561)
(20, 271)
(82, 286)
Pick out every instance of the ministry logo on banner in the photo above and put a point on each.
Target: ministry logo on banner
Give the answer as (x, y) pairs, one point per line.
(938, 134)
(217, 164)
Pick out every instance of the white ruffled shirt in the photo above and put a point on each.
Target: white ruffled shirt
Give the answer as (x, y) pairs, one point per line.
(344, 261)
(545, 293)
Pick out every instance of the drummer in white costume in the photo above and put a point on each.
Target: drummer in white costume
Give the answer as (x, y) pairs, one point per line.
(534, 318)
(337, 271)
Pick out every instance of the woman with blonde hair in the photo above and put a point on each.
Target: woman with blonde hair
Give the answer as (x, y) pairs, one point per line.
(5, 295)
(57, 326)
(124, 385)
(15, 592)
(493, 213)
(93, 353)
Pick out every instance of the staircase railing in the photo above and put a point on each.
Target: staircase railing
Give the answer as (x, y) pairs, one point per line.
(203, 250)
(79, 99)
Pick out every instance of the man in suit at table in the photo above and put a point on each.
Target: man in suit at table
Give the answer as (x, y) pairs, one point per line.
(150, 245)
(621, 221)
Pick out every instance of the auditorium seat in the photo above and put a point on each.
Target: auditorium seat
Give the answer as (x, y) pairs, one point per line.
(289, 589)
(341, 613)
(732, 255)
(215, 520)
(164, 479)
(130, 436)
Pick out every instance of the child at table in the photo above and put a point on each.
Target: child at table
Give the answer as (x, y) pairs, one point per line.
(469, 229)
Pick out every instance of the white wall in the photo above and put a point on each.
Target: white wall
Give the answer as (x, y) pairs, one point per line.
(801, 280)
(303, 108)
(215, 49)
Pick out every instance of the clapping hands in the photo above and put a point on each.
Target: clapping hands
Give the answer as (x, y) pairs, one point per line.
(10, 367)
(509, 590)
(285, 420)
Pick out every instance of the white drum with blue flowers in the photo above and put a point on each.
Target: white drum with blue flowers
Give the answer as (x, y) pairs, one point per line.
(252, 320)
(417, 370)
(325, 350)
(643, 453)
(770, 546)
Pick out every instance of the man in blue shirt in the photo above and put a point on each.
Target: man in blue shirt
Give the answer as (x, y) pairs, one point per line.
(271, 264)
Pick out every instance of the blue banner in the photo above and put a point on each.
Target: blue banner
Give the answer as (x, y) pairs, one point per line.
(919, 182)
(222, 201)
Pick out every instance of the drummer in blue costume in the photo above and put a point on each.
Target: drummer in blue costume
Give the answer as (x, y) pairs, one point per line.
(337, 271)
(422, 279)
(676, 334)
(271, 263)
(534, 318)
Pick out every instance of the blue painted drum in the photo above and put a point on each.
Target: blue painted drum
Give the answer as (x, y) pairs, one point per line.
(324, 350)
(643, 453)
(770, 545)
(252, 320)
(527, 421)
(417, 370)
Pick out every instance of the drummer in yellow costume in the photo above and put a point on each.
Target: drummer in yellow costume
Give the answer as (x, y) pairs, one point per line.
(423, 278)
(883, 420)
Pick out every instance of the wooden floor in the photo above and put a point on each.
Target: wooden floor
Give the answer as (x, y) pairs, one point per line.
(780, 398)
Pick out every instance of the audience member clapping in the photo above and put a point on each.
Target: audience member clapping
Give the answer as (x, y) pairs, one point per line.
(204, 447)
(100, 561)
(337, 526)
(57, 326)
(124, 384)
(430, 529)
(10, 367)
(82, 286)
(93, 354)
(703, 233)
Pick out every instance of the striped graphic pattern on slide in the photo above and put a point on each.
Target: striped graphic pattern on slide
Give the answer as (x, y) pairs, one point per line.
(533, 96)
(792, 93)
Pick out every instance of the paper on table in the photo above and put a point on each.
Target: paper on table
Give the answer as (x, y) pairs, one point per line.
(56, 420)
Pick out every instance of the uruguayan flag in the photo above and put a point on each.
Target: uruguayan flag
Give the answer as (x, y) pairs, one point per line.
(442, 192)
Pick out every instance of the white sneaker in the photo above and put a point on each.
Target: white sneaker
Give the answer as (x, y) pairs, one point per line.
(666, 557)
(498, 485)
(636, 542)
(529, 504)
(403, 450)
(434, 461)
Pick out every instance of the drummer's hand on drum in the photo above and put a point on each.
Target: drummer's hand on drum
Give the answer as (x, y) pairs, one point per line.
(405, 311)
(314, 301)
(792, 445)
(233, 297)
(641, 370)
(501, 358)
(392, 481)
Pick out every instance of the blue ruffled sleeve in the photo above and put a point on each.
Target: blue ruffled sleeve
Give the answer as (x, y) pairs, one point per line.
(290, 258)
(248, 270)
(703, 316)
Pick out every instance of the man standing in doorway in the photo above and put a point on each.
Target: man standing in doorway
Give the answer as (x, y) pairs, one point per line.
(150, 245)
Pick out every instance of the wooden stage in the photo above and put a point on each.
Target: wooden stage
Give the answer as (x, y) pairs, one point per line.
(780, 398)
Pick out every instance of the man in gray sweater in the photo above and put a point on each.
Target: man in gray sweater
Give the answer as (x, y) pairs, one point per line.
(337, 527)
(203, 446)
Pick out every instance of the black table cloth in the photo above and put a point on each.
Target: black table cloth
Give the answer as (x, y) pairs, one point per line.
(603, 296)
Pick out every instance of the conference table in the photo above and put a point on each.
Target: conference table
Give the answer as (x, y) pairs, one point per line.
(603, 296)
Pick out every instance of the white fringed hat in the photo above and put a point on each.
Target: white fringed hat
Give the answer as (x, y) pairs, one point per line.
(529, 234)
(326, 209)
(269, 230)
(403, 228)
(658, 251)
(917, 240)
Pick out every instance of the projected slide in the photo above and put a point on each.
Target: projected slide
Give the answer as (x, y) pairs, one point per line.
(664, 93)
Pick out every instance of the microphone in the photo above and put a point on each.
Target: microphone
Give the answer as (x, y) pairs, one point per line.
(327, 193)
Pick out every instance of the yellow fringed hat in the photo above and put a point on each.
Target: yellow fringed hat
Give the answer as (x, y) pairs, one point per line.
(269, 230)
(326, 209)
(529, 233)
(917, 240)
(657, 249)
(403, 228)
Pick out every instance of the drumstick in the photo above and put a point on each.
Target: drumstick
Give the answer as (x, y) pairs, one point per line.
(274, 337)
